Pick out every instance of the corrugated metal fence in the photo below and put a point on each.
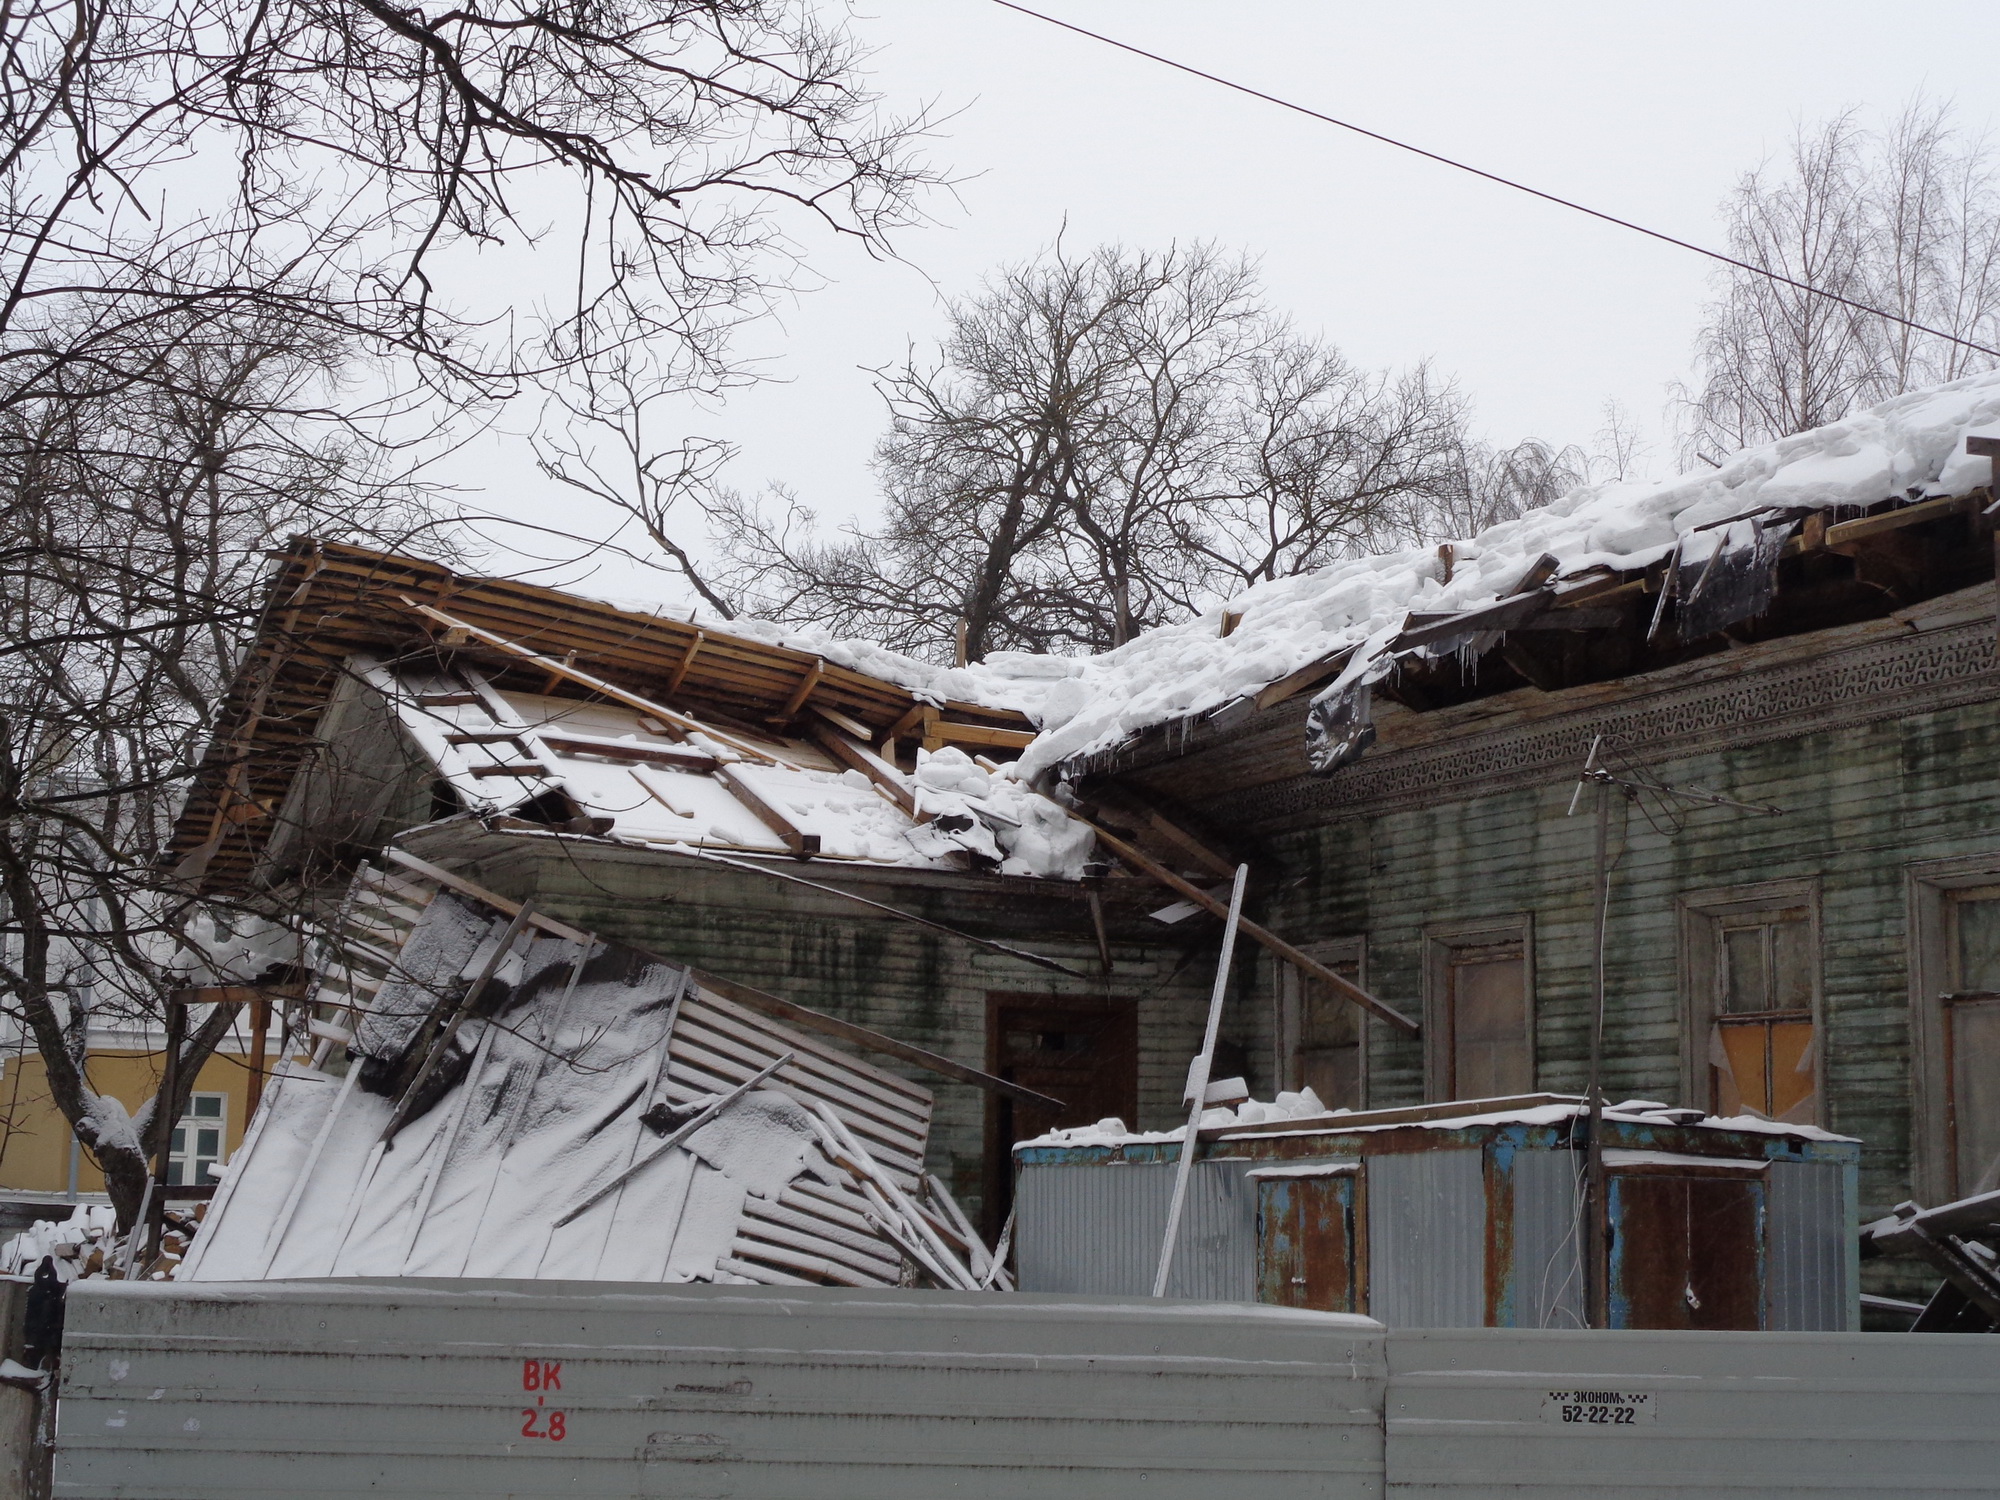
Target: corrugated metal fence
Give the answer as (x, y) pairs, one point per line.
(527, 1389)
(1098, 1230)
(311, 1390)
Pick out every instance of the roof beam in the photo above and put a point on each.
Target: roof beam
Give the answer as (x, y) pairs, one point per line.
(1145, 864)
(858, 757)
(769, 814)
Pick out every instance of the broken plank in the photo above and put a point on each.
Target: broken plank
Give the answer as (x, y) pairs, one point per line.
(1147, 865)
(513, 768)
(1311, 674)
(768, 813)
(857, 756)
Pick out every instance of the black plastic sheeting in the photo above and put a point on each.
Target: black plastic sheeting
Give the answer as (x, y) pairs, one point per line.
(1733, 584)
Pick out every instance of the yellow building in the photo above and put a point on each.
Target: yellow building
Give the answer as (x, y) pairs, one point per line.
(36, 1142)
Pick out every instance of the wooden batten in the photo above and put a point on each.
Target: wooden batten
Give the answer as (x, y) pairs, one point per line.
(768, 813)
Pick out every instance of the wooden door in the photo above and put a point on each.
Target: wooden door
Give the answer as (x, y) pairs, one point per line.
(1081, 1050)
(1306, 1251)
(1686, 1251)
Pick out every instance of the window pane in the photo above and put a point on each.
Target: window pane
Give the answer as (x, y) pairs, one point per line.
(1743, 981)
(179, 1142)
(174, 1178)
(1978, 946)
(1791, 964)
(1490, 1053)
(1975, 1093)
(208, 1106)
(208, 1143)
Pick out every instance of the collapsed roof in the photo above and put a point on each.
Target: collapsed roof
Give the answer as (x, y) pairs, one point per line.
(526, 1100)
(1608, 580)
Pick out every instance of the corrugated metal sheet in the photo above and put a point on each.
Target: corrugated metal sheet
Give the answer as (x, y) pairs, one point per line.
(1474, 1415)
(1096, 1230)
(1427, 1238)
(311, 1390)
(1546, 1288)
(1810, 1265)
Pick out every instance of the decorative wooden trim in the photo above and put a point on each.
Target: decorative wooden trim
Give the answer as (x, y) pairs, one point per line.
(1917, 672)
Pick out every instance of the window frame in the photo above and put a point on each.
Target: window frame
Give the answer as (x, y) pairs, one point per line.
(190, 1159)
(1441, 940)
(1287, 1022)
(1699, 919)
(1929, 884)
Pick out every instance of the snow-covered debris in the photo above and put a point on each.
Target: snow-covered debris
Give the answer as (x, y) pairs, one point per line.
(69, 1242)
(546, 1135)
(1910, 447)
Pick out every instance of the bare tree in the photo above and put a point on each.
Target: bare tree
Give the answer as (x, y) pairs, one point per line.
(1104, 442)
(1905, 219)
(241, 248)
(133, 517)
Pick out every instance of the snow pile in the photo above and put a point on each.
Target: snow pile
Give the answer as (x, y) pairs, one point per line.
(997, 815)
(70, 1242)
(1910, 447)
(1302, 1105)
(1305, 1108)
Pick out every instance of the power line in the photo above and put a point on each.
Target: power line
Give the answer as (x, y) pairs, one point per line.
(1508, 182)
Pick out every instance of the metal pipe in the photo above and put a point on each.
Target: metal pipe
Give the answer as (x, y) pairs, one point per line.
(1198, 1083)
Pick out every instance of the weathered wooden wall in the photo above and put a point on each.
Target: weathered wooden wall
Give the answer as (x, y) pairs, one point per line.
(1896, 760)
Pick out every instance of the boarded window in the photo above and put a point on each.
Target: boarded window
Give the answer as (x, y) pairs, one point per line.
(1761, 1035)
(1486, 1002)
(1972, 1039)
(1327, 1051)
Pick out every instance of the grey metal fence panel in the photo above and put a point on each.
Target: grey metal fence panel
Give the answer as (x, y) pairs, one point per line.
(1096, 1230)
(1478, 1414)
(1809, 1266)
(310, 1390)
(1427, 1238)
(1547, 1279)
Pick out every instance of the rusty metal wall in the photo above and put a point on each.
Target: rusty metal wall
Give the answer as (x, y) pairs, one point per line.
(311, 1390)
(1096, 1230)
(1545, 1288)
(1486, 1413)
(1812, 1267)
(1427, 1238)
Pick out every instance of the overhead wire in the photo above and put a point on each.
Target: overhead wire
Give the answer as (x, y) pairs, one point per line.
(1495, 177)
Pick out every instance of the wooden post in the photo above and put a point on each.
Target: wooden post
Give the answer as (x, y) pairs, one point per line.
(169, 1108)
(1597, 1217)
(260, 1031)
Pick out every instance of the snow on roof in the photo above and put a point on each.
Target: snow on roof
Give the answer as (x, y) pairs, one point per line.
(1910, 447)
(660, 789)
(1313, 1118)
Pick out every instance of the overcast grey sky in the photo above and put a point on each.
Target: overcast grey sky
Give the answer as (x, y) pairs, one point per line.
(1541, 315)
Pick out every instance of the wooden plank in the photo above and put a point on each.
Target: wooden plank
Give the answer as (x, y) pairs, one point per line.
(853, 728)
(687, 660)
(1312, 673)
(899, 1096)
(854, 754)
(802, 692)
(919, 713)
(513, 768)
(1847, 533)
(768, 813)
(499, 903)
(950, 732)
(1540, 571)
(1147, 865)
(674, 757)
